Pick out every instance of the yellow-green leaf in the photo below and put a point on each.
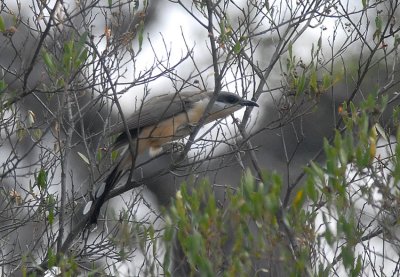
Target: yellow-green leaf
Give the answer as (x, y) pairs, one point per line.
(3, 85)
(237, 48)
(37, 134)
(313, 80)
(114, 155)
(48, 60)
(2, 25)
(42, 179)
(298, 199)
(326, 81)
(364, 3)
(140, 34)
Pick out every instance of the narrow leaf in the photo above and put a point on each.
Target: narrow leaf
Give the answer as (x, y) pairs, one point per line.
(237, 48)
(326, 81)
(87, 207)
(48, 60)
(364, 3)
(80, 46)
(42, 179)
(2, 25)
(298, 199)
(83, 157)
(313, 80)
(381, 132)
(3, 85)
(140, 34)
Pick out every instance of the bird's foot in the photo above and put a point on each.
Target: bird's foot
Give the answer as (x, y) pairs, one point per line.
(185, 129)
(173, 147)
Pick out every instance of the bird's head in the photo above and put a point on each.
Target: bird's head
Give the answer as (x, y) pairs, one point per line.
(228, 103)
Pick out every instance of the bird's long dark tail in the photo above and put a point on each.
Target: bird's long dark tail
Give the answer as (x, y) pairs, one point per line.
(110, 182)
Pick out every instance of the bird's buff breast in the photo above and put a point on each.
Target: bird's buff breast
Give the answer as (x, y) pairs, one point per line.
(171, 129)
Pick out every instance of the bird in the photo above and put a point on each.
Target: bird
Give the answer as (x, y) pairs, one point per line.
(161, 120)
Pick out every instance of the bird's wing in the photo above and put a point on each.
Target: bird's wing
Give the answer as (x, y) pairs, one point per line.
(158, 108)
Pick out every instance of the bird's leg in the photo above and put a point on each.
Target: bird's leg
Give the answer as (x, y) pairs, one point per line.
(185, 129)
(173, 147)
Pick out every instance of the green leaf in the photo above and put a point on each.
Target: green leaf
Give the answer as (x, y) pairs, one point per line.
(51, 258)
(326, 81)
(37, 134)
(396, 41)
(353, 110)
(48, 60)
(99, 154)
(222, 30)
(81, 59)
(290, 49)
(378, 23)
(348, 256)
(298, 199)
(68, 56)
(42, 179)
(364, 3)
(110, 3)
(328, 235)
(318, 171)
(2, 25)
(237, 48)
(378, 31)
(21, 131)
(357, 269)
(301, 84)
(311, 190)
(3, 85)
(114, 155)
(50, 201)
(50, 216)
(80, 46)
(313, 80)
(140, 34)
(396, 160)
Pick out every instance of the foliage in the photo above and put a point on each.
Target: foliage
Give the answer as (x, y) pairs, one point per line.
(248, 224)
(254, 226)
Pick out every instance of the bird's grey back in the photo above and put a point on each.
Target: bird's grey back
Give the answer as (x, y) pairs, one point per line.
(154, 110)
